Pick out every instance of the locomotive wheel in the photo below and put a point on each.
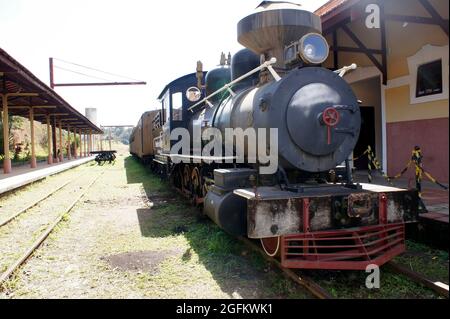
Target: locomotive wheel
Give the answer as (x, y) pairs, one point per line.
(271, 246)
(186, 180)
(197, 186)
(196, 181)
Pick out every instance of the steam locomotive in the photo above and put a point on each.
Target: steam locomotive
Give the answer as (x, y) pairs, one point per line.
(299, 212)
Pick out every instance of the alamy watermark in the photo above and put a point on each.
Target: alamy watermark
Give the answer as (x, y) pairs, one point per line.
(373, 19)
(373, 279)
(252, 146)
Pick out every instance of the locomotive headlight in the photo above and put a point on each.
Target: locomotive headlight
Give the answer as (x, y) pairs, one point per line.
(313, 48)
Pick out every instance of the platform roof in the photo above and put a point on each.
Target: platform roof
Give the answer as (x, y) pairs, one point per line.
(15, 78)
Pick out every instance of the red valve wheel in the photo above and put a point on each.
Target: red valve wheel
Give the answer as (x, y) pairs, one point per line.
(331, 117)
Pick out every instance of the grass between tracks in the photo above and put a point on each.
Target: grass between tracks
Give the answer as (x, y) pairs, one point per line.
(132, 236)
(217, 249)
(227, 260)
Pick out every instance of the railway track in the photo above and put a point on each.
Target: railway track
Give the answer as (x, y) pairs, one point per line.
(438, 287)
(35, 203)
(48, 230)
(315, 289)
(296, 275)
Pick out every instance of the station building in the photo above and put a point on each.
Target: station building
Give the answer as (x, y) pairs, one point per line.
(23, 94)
(402, 79)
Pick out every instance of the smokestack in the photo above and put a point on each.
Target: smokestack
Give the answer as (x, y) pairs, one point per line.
(275, 25)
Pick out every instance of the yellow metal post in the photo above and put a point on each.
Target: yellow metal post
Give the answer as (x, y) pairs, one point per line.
(6, 160)
(33, 163)
(49, 142)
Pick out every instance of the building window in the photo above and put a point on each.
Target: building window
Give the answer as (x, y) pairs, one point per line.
(429, 79)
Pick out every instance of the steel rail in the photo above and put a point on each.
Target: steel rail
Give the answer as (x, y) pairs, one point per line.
(297, 277)
(5, 276)
(438, 287)
(23, 210)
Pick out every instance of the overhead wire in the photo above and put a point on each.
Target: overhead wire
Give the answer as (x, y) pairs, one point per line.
(97, 70)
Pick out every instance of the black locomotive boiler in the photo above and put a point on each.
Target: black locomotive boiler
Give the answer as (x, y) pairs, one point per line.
(297, 213)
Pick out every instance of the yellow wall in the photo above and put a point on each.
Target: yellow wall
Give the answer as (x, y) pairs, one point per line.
(399, 109)
(402, 42)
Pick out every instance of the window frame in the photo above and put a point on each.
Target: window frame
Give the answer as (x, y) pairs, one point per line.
(177, 108)
(429, 64)
(429, 53)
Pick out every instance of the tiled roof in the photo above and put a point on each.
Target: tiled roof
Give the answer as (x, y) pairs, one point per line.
(329, 7)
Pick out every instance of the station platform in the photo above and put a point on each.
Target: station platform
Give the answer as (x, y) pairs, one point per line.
(433, 225)
(24, 175)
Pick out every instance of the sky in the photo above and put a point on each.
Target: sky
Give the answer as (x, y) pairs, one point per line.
(152, 41)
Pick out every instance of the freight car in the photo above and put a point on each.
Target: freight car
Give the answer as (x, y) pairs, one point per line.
(277, 82)
(143, 135)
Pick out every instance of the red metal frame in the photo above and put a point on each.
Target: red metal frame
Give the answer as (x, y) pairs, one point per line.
(345, 249)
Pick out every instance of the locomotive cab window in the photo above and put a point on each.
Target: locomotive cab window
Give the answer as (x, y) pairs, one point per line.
(177, 106)
(429, 79)
(166, 107)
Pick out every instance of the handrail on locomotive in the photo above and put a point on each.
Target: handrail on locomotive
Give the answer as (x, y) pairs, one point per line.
(268, 64)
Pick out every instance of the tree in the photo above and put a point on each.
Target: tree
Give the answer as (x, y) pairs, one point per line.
(15, 122)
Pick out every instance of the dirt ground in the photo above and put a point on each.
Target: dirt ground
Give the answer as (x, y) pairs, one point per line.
(131, 237)
(134, 237)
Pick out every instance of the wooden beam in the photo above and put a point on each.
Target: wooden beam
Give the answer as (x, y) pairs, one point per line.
(412, 19)
(59, 114)
(356, 50)
(435, 15)
(383, 44)
(362, 46)
(336, 51)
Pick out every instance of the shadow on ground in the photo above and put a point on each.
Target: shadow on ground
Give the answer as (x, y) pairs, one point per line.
(232, 266)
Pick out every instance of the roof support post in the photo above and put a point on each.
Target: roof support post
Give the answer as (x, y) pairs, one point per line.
(110, 148)
(80, 152)
(81, 142)
(85, 143)
(61, 157)
(69, 152)
(49, 141)
(80, 131)
(33, 163)
(6, 160)
(91, 144)
(54, 144)
(75, 148)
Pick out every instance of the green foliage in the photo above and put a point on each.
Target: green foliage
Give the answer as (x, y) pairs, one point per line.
(15, 122)
(121, 134)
